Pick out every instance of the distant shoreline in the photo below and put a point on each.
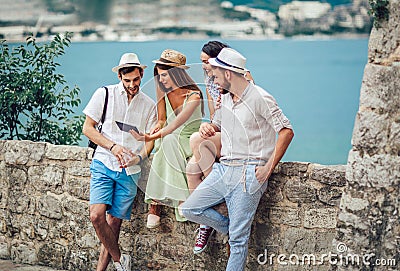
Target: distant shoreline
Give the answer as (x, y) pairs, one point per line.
(342, 36)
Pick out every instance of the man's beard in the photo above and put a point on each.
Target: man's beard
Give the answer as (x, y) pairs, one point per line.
(224, 89)
(132, 91)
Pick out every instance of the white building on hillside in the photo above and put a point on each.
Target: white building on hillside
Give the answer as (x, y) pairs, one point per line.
(301, 11)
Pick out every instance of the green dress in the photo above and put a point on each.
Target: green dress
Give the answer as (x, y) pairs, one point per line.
(167, 178)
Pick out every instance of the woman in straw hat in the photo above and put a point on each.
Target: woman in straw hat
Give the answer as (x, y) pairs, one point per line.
(180, 110)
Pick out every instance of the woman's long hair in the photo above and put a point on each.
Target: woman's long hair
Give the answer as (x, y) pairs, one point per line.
(180, 78)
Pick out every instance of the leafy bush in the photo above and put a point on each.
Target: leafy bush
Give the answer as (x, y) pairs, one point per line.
(379, 10)
(35, 102)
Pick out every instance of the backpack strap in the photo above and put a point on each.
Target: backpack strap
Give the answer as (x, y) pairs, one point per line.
(103, 117)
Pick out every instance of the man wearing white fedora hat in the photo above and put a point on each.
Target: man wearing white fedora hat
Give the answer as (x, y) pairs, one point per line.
(249, 120)
(115, 168)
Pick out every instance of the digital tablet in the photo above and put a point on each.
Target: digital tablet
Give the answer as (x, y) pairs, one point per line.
(126, 127)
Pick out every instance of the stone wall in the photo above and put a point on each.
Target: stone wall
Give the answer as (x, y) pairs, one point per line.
(44, 192)
(369, 221)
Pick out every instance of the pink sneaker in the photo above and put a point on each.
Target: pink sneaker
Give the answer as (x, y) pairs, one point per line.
(202, 239)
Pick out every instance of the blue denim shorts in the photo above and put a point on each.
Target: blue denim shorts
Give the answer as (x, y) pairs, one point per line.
(115, 189)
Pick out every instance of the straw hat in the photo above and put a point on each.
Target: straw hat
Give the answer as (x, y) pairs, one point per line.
(230, 59)
(172, 58)
(128, 60)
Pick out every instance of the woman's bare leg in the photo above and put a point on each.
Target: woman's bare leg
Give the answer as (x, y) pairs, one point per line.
(204, 153)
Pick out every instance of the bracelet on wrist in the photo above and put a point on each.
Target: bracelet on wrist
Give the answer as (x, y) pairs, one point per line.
(112, 146)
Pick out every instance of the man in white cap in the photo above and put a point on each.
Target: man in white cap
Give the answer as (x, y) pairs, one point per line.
(249, 120)
(115, 167)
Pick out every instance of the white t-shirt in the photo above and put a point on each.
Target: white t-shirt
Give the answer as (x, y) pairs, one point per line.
(141, 112)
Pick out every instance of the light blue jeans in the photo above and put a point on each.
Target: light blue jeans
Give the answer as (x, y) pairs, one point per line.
(238, 186)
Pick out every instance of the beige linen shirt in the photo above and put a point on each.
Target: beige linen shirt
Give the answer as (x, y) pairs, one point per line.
(141, 112)
(249, 127)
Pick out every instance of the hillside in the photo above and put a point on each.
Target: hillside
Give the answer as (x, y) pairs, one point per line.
(273, 5)
(128, 20)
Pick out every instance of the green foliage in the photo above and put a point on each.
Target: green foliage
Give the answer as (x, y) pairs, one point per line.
(379, 10)
(35, 102)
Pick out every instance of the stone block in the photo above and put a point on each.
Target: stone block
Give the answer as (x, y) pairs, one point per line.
(378, 223)
(394, 137)
(331, 175)
(79, 168)
(5, 248)
(20, 152)
(26, 227)
(62, 230)
(352, 220)
(78, 187)
(371, 131)
(89, 240)
(4, 185)
(51, 254)
(23, 252)
(2, 150)
(62, 152)
(302, 241)
(320, 218)
(89, 154)
(77, 208)
(19, 202)
(273, 193)
(41, 228)
(4, 221)
(16, 223)
(80, 259)
(299, 192)
(353, 204)
(330, 195)
(3, 175)
(46, 178)
(286, 216)
(265, 235)
(17, 178)
(376, 95)
(297, 169)
(81, 231)
(50, 207)
(379, 171)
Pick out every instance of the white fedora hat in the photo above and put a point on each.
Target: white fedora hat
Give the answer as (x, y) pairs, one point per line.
(230, 59)
(128, 60)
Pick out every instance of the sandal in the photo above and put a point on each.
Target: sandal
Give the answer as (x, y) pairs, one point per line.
(153, 218)
(153, 221)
